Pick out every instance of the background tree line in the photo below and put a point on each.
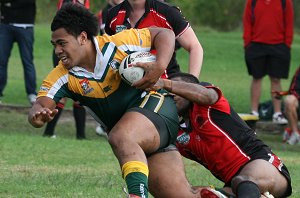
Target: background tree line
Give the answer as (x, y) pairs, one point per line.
(222, 15)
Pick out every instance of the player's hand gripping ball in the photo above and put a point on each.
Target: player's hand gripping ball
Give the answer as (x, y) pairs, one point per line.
(129, 72)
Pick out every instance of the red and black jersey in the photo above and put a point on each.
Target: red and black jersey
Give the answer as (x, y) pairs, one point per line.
(295, 84)
(157, 14)
(220, 140)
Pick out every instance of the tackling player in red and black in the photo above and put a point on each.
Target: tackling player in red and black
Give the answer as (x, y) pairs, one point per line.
(213, 135)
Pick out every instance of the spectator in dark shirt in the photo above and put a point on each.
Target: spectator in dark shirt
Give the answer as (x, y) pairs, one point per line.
(17, 19)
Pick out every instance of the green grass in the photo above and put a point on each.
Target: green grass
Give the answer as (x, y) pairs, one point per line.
(33, 166)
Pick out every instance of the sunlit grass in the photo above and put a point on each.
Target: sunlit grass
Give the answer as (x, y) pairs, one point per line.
(35, 166)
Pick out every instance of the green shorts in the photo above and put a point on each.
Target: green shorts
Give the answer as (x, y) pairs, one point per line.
(161, 110)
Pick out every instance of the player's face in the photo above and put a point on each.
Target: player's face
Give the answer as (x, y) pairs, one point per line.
(67, 48)
(137, 2)
(182, 105)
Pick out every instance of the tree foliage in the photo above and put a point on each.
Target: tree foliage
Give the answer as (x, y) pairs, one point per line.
(222, 15)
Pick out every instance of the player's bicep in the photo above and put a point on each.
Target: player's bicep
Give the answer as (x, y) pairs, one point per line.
(188, 39)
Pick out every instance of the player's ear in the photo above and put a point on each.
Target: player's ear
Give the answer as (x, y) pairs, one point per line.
(82, 38)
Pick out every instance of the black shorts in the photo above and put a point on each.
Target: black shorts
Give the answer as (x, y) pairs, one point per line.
(264, 59)
(161, 110)
(265, 153)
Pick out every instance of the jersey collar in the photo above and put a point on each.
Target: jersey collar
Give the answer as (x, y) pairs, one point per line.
(99, 67)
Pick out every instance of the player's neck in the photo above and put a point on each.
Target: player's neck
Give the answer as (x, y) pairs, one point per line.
(138, 10)
(90, 58)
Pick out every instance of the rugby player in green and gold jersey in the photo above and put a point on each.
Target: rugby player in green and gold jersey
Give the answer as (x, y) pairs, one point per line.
(142, 126)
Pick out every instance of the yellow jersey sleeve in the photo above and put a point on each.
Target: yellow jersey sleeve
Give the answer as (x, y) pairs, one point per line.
(54, 83)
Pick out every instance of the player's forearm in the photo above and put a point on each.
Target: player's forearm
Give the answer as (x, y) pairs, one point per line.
(190, 91)
(195, 60)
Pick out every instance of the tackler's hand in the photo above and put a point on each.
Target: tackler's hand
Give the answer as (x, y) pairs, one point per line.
(152, 74)
(158, 85)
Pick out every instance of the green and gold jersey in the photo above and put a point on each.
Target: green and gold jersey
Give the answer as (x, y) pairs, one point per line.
(102, 91)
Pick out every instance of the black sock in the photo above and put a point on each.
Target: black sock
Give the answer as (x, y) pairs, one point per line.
(49, 130)
(247, 189)
(79, 115)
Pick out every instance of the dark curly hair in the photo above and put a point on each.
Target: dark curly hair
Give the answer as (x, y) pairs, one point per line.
(75, 19)
(184, 77)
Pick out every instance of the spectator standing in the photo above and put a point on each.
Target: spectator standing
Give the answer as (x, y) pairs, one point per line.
(148, 13)
(78, 111)
(292, 108)
(268, 36)
(17, 19)
(213, 135)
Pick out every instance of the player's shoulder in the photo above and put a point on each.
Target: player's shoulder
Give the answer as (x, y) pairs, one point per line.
(58, 71)
(132, 32)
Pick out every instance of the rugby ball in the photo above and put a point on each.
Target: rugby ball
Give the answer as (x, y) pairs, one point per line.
(129, 73)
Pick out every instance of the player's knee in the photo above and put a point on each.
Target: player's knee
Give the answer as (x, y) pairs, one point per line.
(275, 81)
(114, 139)
(118, 139)
(291, 102)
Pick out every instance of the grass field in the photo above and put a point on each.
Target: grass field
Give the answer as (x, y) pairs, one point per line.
(33, 166)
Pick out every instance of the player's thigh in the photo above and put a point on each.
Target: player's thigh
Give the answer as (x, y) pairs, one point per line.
(167, 176)
(265, 175)
(137, 128)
